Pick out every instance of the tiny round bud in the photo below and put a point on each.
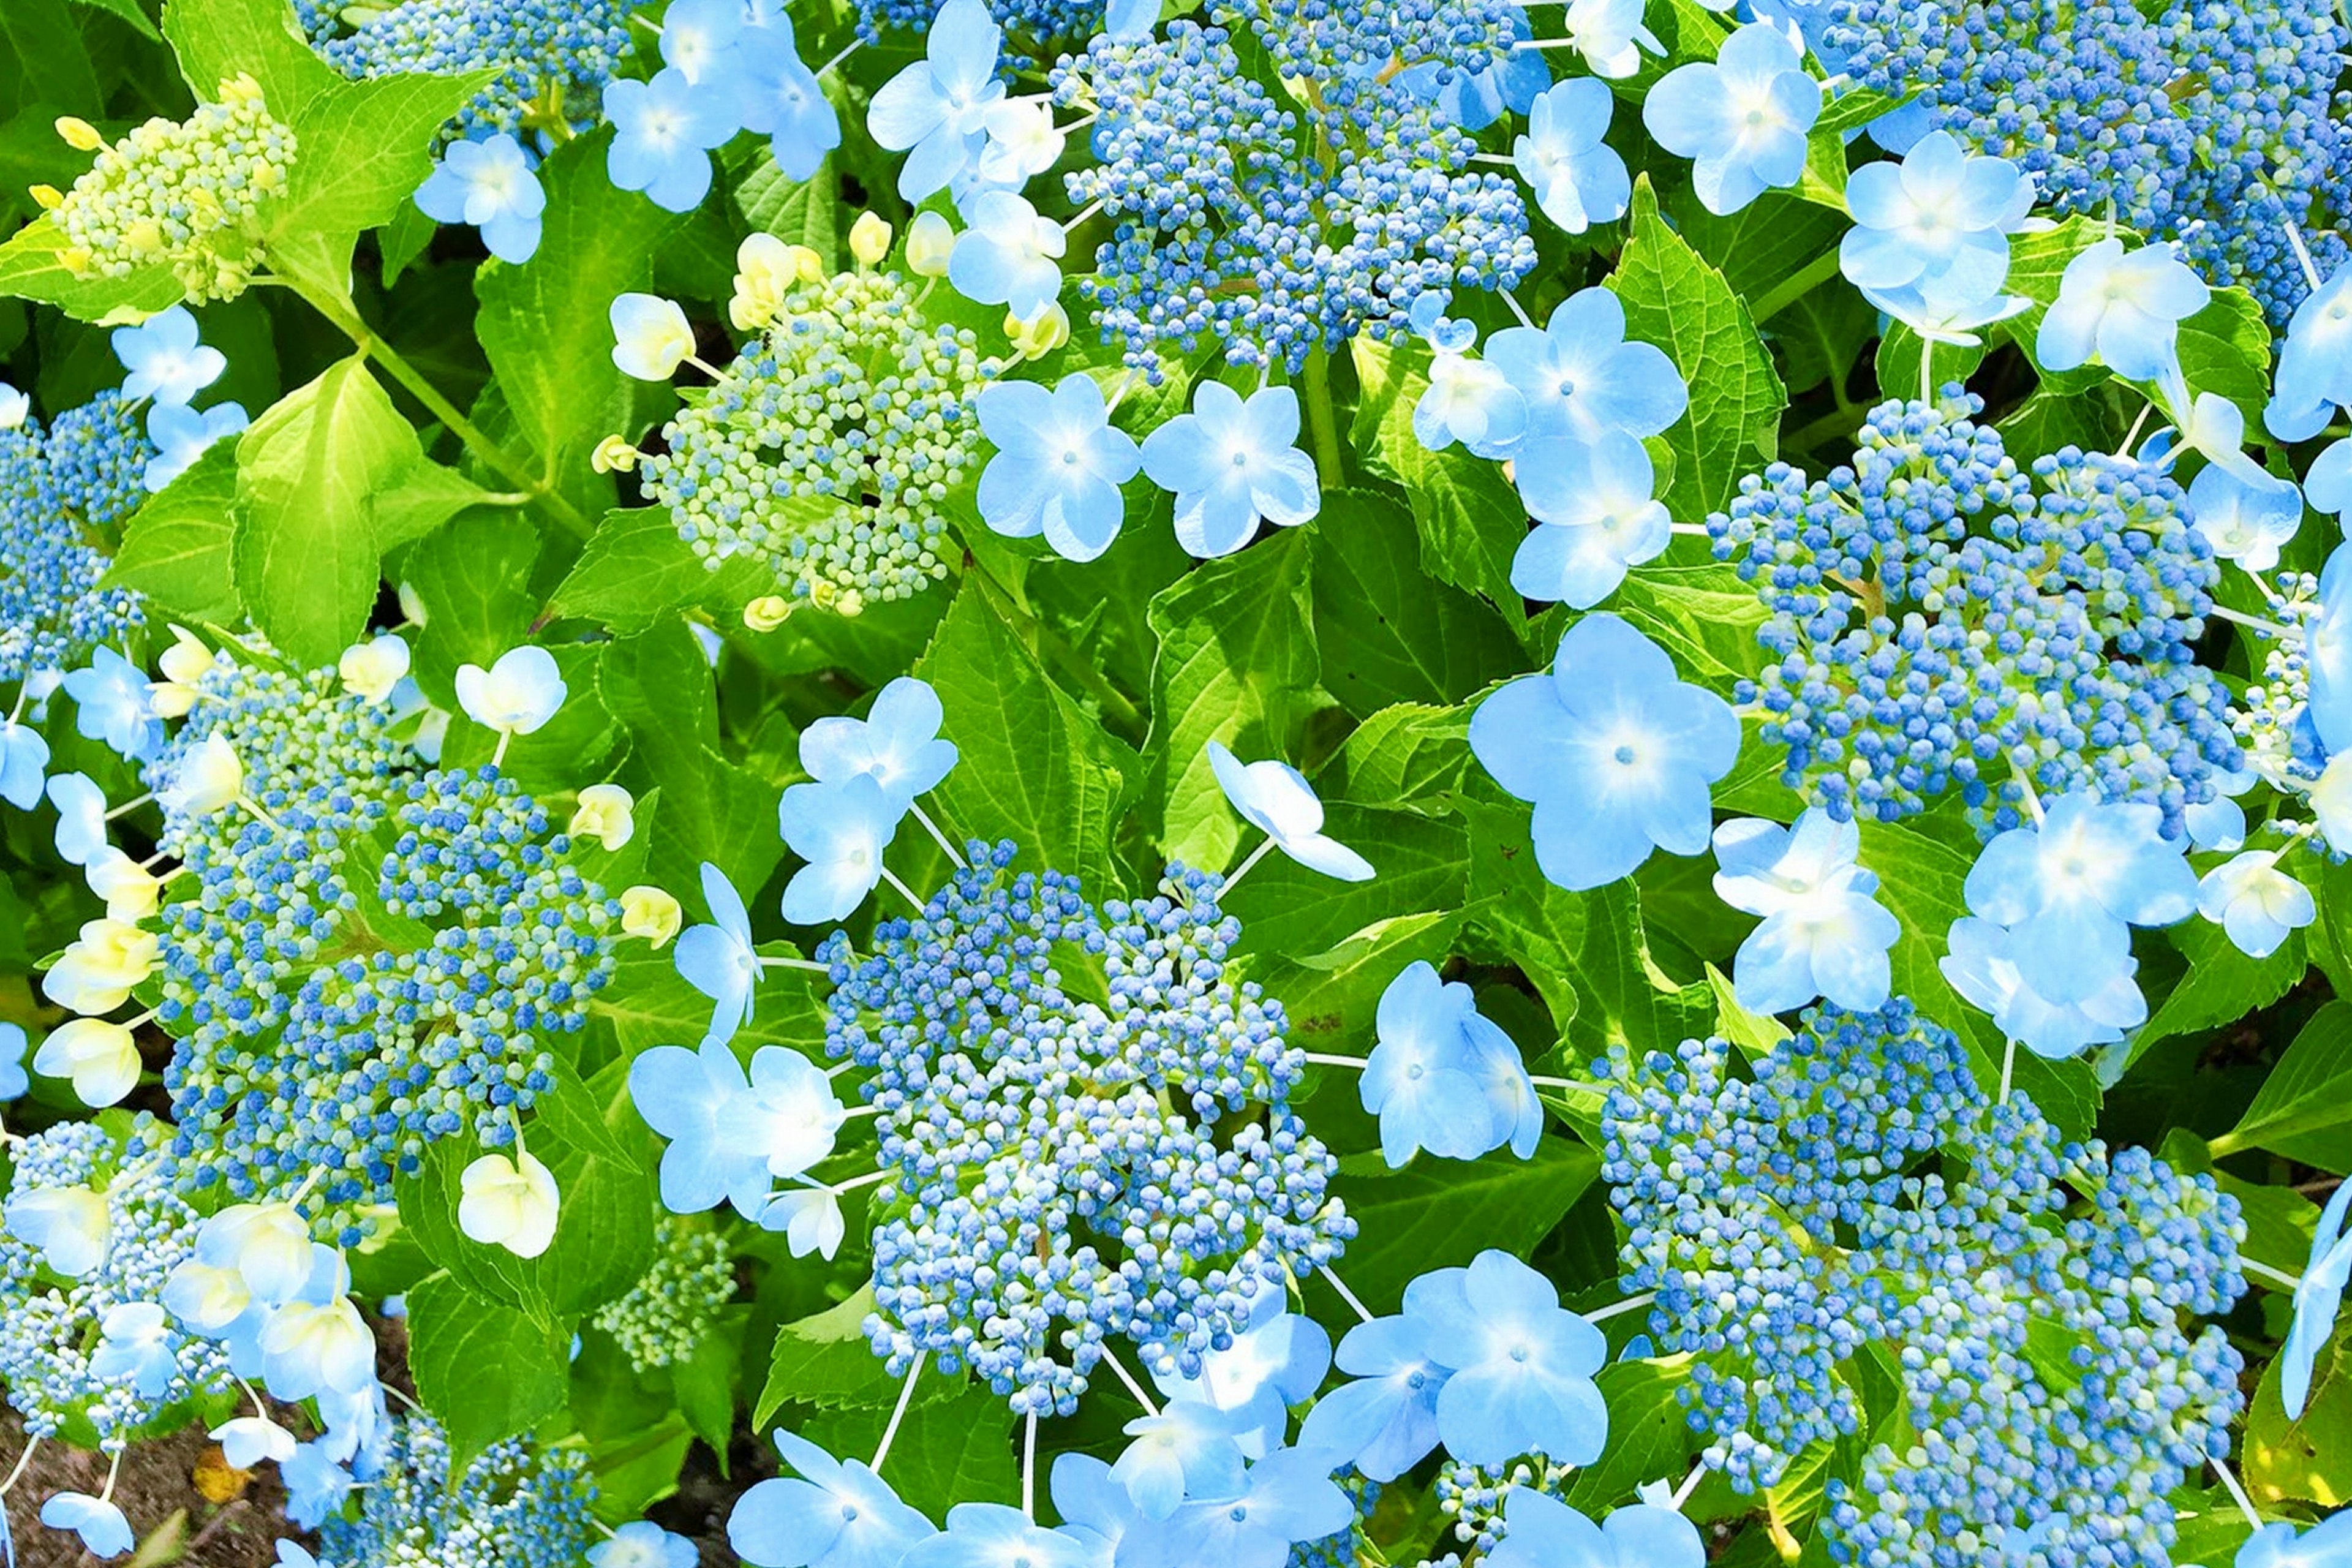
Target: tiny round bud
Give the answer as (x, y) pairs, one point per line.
(870, 238)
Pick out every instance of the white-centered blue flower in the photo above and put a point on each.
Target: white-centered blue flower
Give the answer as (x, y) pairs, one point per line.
(662, 131)
(167, 359)
(181, 435)
(718, 959)
(1578, 178)
(24, 764)
(1596, 517)
(2317, 1299)
(1231, 464)
(1823, 933)
(2070, 885)
(104, 1532)
(2245, 520)
(2255, 902)
(1059, 466)
(1009, 256)
(1607, 33)
(1444, 1076)
(896, 744)
(1939, 222)
(1276, 798)
(1981, 961)
(841, 829)
(2122, 309)
(136, 1346)
(936, 109)
(783, 99)
(836, 1513)
(516, 695)
(2314, 362)
(489, 184)
(1742, 119)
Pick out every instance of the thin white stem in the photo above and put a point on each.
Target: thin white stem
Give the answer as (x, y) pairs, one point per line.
(808, 966)
(1495, 158)
(2025, 784)
(1928, 371)
(130, 806)
(1029, 1468)
(1081, 215)
(499, 754)
(2277, 1276)
(1546, 44)
(23, 1460)
(705, 366)
(1079, 124)
(260, 814)
(2237, 1493)
(1690, 1484)
(2302, 253)
(1143, 1397)
(933, 830)
(1616, 1309)
(2008, 1068)
(1517, 309)
(855, 45)
(905, 891)
(1329, 1059)
(113, 1474)
(1541, 1083)
(1243, 870)
(1348, 1296)
(1696, 530)
(24, 696)
(2131, 437)
(2271, 628)
(850, 1186)
(897, 1412)
(854, 1112)
(1127, 384)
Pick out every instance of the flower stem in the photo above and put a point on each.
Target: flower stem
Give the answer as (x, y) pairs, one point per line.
(1322, 422)
(897, 1412)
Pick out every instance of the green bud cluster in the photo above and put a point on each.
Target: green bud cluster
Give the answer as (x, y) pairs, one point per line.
(665, 1315)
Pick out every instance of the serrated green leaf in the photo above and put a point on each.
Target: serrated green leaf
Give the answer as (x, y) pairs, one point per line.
(472, 576)
(30, 269)
(486, 1372)
(1438, 1214)
(2304, 1109)
(825, 1361)
(1674, 300)
(176, 549)
(1390, 635)
(1408, 757)
(636, 570)
(1417, 864)
(1701, 614)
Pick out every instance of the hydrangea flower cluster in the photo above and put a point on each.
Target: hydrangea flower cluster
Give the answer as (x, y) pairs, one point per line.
(516, 1506)
(552, 57)
(1941, 619)
(660, 1318)
(830, 445)
(1063, 1171)
(94, 1229)
(190, 195)
(1276, 231)
(2209, 124)
(63, 491)
(1790, 1223)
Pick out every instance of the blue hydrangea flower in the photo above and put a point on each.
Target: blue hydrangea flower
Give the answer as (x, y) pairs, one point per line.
(316, 1484)
(104, 1532)
(2255, 902)
(1982, 962)
(489, 184)
(13, 1079)
(642, 1543)
(699, 39)
(112, 704)
(1522, 1363)
(1093, 1508)
(1274, 1362)
(1010, 256)
(1578, 178)
(1510, 82)
(165, 359)
(2244, 518)
(2279, 1544)
(718, 960)
(181, 435)
(1276, 798)
(1287, 1498)
(2316, 1301)
(786, 1116)
(1614, 751)
(136, 1346)
(783, 99)
(896, 744)
(1444, 1078)
(1546, 1533)
(1597, 517)
(841, 829)
(81, 817)
(1824, 934)
(1743, 119)
(681, 1094)
(2314, 362)
(1581, 379)
(1187, 1450)
(1231, 464)
(1605, 33)
(934, 110)
(662, 131)
(989, 1534)
(2123, 310)
(1468, 400)
(1385, 1421)
(1937, 222)
(24, 764)
(1059, 466)
(2070, 885)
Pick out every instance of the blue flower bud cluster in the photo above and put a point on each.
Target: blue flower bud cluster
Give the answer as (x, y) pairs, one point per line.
(1064, 1170)
(660, 1319)
(1473, 1496)
(1274, 232)
(1863, 1191)
(1038, 20)
(516, 1506)
(1940, 619)
(63, 491)
(48, 1323)
(2273, 716)
(831, 444)
(552, 57)
(2209, 123)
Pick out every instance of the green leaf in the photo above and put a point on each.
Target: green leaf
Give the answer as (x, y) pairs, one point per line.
(1409, 756)
(1436, 1213)
(826, 1360)
(954, 1450)
(2222, 983)
(472, 576)
(177, 549)
(488, 1373)
(2307, 1460)
(1331, 998)
(1389, 634)
(636, 570)
(2304, 1109)
(2225, 348)
(1702, 614)
(1285, 908)
(1674, 300)
(1468, 516)
(30, 269)
(798, 212)
(1036, 768)
(1650, 1434)
(1236, 664)
(545, 324)
(649, 1003)
(218, 39)
(42, 38)
(319, 498)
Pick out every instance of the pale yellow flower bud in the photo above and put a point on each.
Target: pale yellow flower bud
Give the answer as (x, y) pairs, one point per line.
(79, 134)
(767, 613)
(1040, 335)
(649, 913)
(606, 813)
(929, 240)
(870, 238)
(615, 454)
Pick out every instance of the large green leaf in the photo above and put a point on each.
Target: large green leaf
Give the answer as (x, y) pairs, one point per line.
(486, 1372)
(1236, 664)
(177, 549)
(1674, 300)
(2304, 1109)
(1389, 634)
(636, 570)
(1438, 1214)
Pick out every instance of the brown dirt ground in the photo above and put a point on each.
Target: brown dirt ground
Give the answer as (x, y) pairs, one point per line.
(158, 1492)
